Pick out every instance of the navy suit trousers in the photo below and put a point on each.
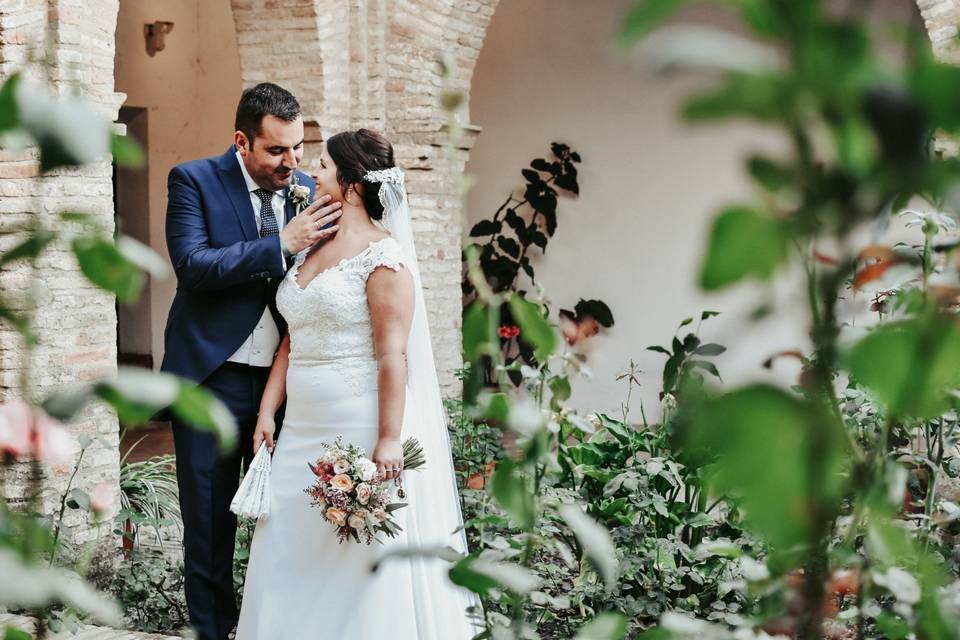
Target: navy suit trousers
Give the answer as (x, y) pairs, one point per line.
(208, 481)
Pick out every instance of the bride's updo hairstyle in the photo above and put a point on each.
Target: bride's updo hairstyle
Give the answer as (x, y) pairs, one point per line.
(355, 153)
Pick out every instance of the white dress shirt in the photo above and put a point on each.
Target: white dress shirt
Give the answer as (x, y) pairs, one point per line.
(258, 349)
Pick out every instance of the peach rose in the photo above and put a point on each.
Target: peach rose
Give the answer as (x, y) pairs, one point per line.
(379, 515)
(336, 516)
(342, 482)
(356, 522)
(363, 492)
(341, 466)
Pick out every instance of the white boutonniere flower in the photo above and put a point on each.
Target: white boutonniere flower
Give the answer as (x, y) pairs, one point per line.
(298, 194)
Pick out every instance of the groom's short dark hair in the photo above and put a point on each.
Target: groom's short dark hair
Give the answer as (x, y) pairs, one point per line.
(264, 99)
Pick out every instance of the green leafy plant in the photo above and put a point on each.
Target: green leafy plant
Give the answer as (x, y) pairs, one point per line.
(148, 496)
(149, 586)
(823, 490)
(504, 253)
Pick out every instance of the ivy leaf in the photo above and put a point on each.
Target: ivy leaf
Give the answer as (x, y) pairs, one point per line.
(596, 543)
(463, 575)
(126, 151)
(710, 349)
(911, 366)
(539, 239)
(515, 221)
(105, 266)
(569, 182)
(610, 625)
(527, 268)
(541, 165)
(16, 634)
(485, 228)
(18, 322)
(532, 176)
(9, 111)
(766, 98)
(743, 243)
(68, 130)
(763, 439)
(535, 330)
(78, 499)
(30, 248)
(596, 309)
(477, 332)
(509, 246)
(707, 366)
(137, 394)
(511, 493)
(769, 174)
(507, 575)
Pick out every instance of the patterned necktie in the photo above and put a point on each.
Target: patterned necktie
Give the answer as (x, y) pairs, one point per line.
(268, 221)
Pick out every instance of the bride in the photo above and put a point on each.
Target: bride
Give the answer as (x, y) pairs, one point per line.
(356, 363)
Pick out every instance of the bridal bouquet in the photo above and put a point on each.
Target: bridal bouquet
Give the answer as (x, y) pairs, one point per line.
(353, 496)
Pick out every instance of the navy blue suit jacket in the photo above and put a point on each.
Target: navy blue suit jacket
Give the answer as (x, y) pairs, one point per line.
(226, 273)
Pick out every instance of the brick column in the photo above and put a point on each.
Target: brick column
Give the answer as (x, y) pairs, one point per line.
(941, 18)
(75, 322)
(418, 33)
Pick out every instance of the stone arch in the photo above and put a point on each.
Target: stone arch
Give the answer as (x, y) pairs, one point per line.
(374, 63)
(941, 19)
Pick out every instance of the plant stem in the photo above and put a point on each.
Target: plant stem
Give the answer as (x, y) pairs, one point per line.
(63, 508)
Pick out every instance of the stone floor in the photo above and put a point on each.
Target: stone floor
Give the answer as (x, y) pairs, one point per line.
(88, 632)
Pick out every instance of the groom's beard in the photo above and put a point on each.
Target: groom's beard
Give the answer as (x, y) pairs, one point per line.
(281, 180)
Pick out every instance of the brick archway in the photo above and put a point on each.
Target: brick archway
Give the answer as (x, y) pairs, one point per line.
(941, 19)
(374, 63)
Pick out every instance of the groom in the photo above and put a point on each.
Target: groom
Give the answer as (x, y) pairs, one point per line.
(231, 234)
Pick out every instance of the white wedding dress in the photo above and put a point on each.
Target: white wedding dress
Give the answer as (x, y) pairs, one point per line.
(301, 583)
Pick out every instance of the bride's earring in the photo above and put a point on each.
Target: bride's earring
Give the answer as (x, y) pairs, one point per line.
(346, 196)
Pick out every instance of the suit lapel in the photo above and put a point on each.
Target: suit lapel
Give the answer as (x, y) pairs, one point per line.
(233, 183)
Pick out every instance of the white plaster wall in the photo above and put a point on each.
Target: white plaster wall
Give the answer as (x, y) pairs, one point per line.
(650, 186)
(191, 90)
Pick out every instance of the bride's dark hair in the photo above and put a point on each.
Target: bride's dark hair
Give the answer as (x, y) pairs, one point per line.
(355, 153)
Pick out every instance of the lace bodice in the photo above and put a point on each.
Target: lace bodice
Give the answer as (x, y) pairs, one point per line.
(329, 318)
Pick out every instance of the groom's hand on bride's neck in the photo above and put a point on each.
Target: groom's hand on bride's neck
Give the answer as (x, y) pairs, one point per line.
(310, 227)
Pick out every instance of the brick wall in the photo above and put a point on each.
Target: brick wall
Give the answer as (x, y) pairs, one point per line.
(75, 322)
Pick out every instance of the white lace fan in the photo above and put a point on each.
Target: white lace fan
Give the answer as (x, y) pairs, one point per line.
(252, 499)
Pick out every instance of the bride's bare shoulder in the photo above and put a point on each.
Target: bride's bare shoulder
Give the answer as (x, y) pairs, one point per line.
(377, 236)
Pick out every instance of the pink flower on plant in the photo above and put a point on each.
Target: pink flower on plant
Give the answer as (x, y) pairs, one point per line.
(101, 498)
(15, 428)
(53, 444)
(25, 430)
